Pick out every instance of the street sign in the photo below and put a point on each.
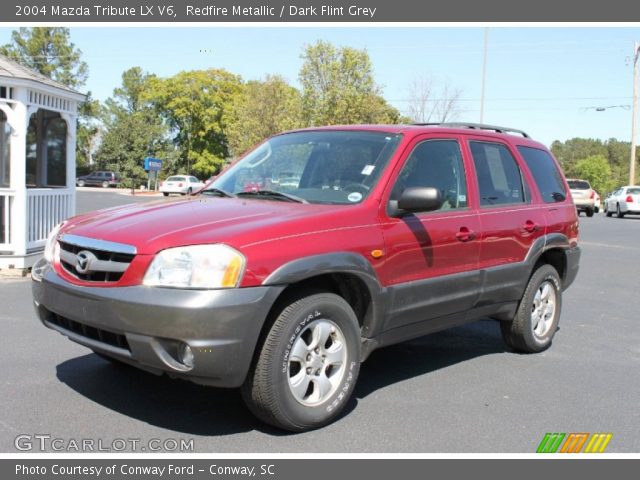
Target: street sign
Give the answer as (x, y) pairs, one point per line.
(152, 164)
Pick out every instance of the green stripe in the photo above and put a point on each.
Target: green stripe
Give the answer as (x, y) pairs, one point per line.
(550, 443)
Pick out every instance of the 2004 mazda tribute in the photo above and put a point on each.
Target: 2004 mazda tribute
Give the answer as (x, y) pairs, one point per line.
(316, 248)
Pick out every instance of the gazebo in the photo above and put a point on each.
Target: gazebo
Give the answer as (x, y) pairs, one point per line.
(37, 160)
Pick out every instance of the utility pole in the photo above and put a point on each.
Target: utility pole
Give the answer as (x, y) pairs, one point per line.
(634, 118)
(484, 72)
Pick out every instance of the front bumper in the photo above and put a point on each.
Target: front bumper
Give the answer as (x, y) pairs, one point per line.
(145, 326)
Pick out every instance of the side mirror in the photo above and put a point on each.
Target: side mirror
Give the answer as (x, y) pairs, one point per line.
(417, 199)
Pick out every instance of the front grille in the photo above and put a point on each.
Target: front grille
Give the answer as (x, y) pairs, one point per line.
(87, 331)
(104, 266)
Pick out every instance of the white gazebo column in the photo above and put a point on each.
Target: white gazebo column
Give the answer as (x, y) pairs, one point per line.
(19, 213)
(71, 160)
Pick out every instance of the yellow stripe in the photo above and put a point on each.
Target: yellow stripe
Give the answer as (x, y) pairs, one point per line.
(590, 445)
(596, 446)
(606, 442)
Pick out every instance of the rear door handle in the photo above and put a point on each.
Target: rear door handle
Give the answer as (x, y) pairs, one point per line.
(530, 227)
(465, 235)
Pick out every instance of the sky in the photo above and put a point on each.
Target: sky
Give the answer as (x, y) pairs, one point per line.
(546, 81)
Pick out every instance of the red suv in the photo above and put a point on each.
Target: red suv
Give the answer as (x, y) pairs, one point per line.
(382, 234)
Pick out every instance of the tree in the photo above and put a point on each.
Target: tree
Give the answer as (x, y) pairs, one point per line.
(263, 109)
(339, 88)
(428, 104)
(196, 106)
(88, 131)
(572, 151)
(597, 171)
(133, 129)
(48, 50)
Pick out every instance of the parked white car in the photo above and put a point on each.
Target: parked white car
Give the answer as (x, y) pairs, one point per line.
(182, 184)
(623, 201)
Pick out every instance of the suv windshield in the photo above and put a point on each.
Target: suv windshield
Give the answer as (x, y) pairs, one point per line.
(339, 167)
(578, 185)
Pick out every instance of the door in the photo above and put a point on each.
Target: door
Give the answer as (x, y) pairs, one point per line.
(432, 257)
(510, 220)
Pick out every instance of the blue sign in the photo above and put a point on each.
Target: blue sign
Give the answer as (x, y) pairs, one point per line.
(152, 164)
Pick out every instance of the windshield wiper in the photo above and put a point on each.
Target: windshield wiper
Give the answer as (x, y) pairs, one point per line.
(285, 197)
(217, 192)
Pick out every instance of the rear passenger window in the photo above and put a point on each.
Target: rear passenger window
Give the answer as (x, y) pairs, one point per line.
(499, 178)
(546, 174)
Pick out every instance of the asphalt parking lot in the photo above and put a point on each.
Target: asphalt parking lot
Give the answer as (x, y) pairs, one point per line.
(455, 391)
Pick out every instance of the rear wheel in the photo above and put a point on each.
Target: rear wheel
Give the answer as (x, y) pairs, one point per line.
(105, 184)
(619, 214)
(538, 314)
(81, 183)
(190, 191)
(307, 365)
(589, 212)
(166, 194)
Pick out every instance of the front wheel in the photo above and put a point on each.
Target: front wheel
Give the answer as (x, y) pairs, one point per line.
(307, 365)
(538, 314)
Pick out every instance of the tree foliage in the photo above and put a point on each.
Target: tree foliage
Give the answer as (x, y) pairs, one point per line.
(338, 87)
(48, 50)
(264, 108)
(571, 152)
(133, 129)
(196, 106)
(597, 171)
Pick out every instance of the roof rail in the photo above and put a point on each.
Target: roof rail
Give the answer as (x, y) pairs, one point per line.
(477, 126)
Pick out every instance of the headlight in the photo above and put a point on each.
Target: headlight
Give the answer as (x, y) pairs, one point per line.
(51, 246)
(196, 266)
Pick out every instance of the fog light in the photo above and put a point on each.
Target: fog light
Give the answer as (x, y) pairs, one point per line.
(185, 355)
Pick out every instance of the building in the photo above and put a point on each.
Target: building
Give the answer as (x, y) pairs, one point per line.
(37, 160)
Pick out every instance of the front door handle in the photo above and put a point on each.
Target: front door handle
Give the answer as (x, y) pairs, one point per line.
(530, 227)
(465, 235)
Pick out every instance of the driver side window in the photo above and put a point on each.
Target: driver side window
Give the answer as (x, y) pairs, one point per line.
(437, 164)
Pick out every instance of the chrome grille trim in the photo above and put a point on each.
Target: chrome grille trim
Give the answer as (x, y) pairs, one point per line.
(96, 244)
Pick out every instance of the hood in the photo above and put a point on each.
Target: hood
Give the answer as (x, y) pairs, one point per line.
(154, 226)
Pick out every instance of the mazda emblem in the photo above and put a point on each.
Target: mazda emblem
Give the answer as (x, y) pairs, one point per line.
(84, 259)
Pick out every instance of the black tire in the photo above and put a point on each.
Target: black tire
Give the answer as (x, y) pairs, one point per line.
(619, 214)
(267, 390)
(589, 212)
(607, 212)
(519, 334)
(596, 209)
(165, 194)
(190, 191)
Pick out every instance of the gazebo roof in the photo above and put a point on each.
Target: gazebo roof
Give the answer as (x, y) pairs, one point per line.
(12, 69)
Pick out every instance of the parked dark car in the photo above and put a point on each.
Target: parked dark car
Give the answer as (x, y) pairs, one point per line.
(99, 179)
